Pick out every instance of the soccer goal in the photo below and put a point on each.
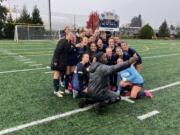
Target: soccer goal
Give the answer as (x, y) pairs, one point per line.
(29, 32)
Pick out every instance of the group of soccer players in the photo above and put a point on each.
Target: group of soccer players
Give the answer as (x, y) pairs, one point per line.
(76, 54)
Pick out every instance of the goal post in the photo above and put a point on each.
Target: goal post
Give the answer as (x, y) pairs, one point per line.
(34, 32)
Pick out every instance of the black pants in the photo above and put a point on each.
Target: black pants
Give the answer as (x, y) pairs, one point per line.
(106, 96)
(113, 79)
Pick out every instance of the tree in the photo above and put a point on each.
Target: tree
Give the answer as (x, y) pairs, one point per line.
(178, 35)
(178, 28)
(146, 32)
(93, 21)
(3, 14)
(172, 27)
(164, 30)
(136, 21)
(9, 28)
(24, 17)
(36, 18)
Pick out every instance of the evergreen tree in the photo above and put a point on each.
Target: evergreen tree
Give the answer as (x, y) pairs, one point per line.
(9, 28)
(36, 18)
(24, 17)
(136, 21)
(146, 32)
(3, 14)
(164, 30)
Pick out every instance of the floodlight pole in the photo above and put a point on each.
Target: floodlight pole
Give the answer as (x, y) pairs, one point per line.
(50, 27)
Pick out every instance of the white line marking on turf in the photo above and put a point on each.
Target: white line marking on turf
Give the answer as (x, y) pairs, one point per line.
(166, 86)
(33, 123)
(127, 99)
(147, 115)
(24, 59)
(48, 67)
(28, 62)
(48, 72)
(21, 56)
(159, 56)
(34, 65)
(24, 70)
(48, 119)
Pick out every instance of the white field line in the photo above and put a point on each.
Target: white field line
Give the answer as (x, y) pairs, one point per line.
(48, 67)
(24, 70)
(50, 72)
(48, 119)
(24, 59)
(34, 65)
(28, 62)
(127, 99)
(166, 86)
(33, 49)
(159, 56)
(147, 115)
(40, 55)
(21, 56)
(14, 55)
(33, 123)
(163, 43)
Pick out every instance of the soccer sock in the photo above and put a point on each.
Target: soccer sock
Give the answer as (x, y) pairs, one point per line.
(56, 84)
(70, 77)
(66, 81)
(140, 95)
(62, 78)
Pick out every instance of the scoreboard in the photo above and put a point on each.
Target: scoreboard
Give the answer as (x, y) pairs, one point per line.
(108, 21)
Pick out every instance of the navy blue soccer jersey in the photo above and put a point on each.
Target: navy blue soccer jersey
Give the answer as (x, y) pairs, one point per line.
(128, 54)
(73, 56)
(112, 60)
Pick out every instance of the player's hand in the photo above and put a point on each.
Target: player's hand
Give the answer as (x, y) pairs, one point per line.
(78, 45)
(94, 60)
(133, 60)
(135, 55)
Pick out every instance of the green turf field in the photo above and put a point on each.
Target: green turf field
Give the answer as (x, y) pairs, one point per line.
(26, 93)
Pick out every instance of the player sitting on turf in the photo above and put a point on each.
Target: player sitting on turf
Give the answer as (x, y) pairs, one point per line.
(131, 78)
(80, 77)
(60, 61)
(99, 87)
(128, 53)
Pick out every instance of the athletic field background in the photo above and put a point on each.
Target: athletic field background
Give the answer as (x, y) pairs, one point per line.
(26, 93)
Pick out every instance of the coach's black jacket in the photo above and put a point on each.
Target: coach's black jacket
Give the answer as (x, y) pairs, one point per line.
(60, 57)
(99, 78)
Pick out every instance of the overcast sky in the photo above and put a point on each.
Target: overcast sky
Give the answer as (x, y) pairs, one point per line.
(152, 11)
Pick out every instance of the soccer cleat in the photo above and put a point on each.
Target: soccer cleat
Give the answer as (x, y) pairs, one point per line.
(82, 103)
(61, 92)
(58, 94)
(99, 108)
(67, 91)
(118, 92)
(148, 93)
(75, 93)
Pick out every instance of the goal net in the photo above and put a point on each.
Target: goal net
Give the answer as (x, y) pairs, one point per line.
(28, 32)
